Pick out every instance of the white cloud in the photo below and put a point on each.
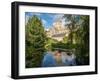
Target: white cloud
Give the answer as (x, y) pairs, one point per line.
(44, 22)
(26, 19)
(58, 17)
(63, 22)
(38, 14)
(34, 13)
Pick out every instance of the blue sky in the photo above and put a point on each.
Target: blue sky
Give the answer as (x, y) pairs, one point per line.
(47, 18)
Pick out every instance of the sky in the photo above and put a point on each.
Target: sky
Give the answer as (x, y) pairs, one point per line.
(47, 18)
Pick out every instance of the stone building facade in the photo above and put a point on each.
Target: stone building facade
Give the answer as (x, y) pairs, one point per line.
(58, 31)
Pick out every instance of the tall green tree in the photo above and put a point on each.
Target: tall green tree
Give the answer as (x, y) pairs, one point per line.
(78, 26)
(82, 39)
(35, 42)
(71, 21)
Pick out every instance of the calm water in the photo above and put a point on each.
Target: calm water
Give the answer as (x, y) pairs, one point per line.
(50, 61)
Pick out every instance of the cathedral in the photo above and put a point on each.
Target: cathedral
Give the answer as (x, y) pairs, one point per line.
(57, 31)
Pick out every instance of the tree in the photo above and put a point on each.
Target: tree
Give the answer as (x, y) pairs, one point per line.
(78, 26)
(71, 23)
(35, 42)
(82, 39)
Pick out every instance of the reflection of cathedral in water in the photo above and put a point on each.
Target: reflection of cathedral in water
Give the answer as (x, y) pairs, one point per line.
(58, 31)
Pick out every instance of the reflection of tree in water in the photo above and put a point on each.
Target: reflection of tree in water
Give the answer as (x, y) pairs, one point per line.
(52, 59)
